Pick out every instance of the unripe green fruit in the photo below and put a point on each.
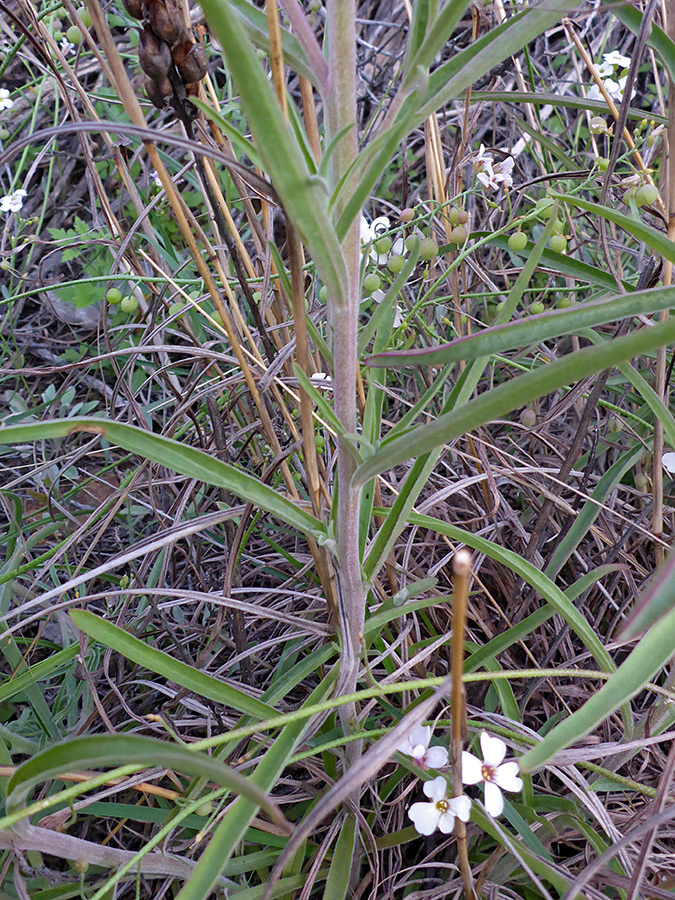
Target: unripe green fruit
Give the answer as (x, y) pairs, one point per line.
(61, 12)
(395, 264)
(537, 308)
(544, 208)
(459, 234)
(129, 304)
(371, 283)
(428, 248)
(462, 216)
(564, 303)
(557, 243)
(453, 215)
(528, 417)
(646, 195)
(407, 215)
(4, 134)
(602, 163)
(411, 242)
(205, 809)
(81, 865)
(74, 35)
(320, 442)
(518, 241)
(176, 308)
(384, 244)
(56, 25)
(323, 293)
(629, 195)
(557, 227)
(615, 425)
(114, 295)
(85, 15)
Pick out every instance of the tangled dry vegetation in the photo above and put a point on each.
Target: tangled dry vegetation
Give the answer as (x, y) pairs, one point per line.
(105, 312)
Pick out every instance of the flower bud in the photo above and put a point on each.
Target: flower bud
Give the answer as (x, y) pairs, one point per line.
(599, 126)
(154, 55)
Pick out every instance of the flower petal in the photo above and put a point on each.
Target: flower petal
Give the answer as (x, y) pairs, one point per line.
(437, 757)
(472, 768)
(421, 735)
(436, 789)
(424, 817)
(379, 226)
(419, 753)
(461, 807)
(494, 801)
(507, 778)
(446, 822)
(494, 749)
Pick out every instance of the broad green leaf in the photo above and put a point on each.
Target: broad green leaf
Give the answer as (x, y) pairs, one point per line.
(437, 33)
(97, 751)
(305, 196)
(653, 238)
(532, 330)
(173, 455)
(650, 655)
(656, 600)
(163, 664)
(512, 394)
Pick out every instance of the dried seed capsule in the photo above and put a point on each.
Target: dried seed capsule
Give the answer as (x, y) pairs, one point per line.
(194, 66)
(158, 91)
(134, 8)
(166, 20)
(154, 55)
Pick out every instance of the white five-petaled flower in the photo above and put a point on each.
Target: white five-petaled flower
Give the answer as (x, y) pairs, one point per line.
(417, 746)
(442, 811)
(607, 69)
(613, 60)
(12, 202)
(373, 231)
(6, 101)
(491, 174)
(668, 462)
(496, 775)
(66, 47)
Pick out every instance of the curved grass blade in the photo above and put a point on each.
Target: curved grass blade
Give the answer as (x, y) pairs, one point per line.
(650, 655)
(656, 601)
(532, 330)
(510, 395)
(162, 664)
(555, 100)
(112, 749)
(173, 455)
(11, 686)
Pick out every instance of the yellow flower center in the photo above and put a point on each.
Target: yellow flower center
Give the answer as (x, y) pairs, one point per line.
(487, 772)
(442, 806)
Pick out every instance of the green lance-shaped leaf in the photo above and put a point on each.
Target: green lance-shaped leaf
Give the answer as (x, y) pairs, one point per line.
(510, 395)
(653, 652)
(97, 751)
(304, 195)
(657, 599)
(653, 238)
(173, 455)
(534, 329)
(163, 664)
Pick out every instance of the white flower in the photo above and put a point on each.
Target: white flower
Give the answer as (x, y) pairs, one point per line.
(614, 58)
(12, 202)
(613, 88)
(378, 296)
(503, 171)
(417, 746)
(497, 776)
(442, 810)
(321, 379)
(66, 47)
(6, 101)
(668, 462)
(483, 160)
(493, 175)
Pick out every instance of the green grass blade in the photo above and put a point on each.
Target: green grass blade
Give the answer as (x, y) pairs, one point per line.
(96, 751)
(337, 883)
(511, 395)
(163, 664)
(599, 107)
(173, 455)
(656, 600)
(13, 685)
(650, 655)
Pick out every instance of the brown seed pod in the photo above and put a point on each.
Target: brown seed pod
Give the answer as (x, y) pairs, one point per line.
(134, 8)
(193, 66)
(166, 20)
(153, 54)
(158, 91)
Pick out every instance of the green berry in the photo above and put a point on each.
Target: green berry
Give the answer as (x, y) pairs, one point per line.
(61, 12)
(56, 25)
(536, 308)
(462, 216)
(4, 134)
(205, 809)
(557, 227)
(459, 234)
(646, 195)
(81, 865)
(371, 283)
(320, 442)
(453, 215)
(129, 304)
(564, 303)
(114, 295)
(528, 417)
(411, 242)
(615, 425)
(518, 241)
(602, 163)
(629, 195)
(428, 249)
(557, 243)
(384, 244)
(407, 215)
(395, 264)
(74, 35)
(544, 208)
(85, 15)
(323, 293)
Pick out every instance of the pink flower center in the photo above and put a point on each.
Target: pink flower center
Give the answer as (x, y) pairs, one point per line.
(487, 772)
